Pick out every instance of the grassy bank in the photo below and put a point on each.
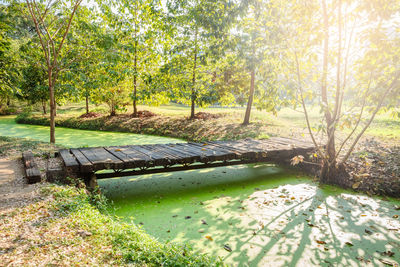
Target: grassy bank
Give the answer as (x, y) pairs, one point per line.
(12, 147)
(172, 120)
(65, 226)
(180, 127)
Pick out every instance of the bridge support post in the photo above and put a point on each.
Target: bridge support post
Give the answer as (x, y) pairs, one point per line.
(91, 181)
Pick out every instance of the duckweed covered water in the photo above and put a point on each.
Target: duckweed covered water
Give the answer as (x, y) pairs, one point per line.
(249, 215)
(260, 215)
(77, 138)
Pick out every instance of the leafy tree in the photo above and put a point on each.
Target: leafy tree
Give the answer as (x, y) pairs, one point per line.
(348, 64)
(198, 40)
(52, 22)
(257, 35)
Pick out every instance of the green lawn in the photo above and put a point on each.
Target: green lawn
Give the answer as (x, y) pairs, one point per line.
(384, 127)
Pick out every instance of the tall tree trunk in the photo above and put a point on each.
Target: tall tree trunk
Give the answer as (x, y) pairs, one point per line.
(52, 107)
(87, 103)
(135, 66)
(193, 95)
(246, 120)
(44, 106)
(329, 163)
(135, 87)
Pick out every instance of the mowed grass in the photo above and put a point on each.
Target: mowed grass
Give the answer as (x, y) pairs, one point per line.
(384, 127)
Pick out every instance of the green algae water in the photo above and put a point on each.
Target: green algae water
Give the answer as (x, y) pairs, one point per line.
(77, 138)
(260, 215)
(249, 215)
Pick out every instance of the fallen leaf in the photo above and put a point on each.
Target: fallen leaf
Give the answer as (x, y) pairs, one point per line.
(349, 244)
(227, 248)
(395, 216)
(203, 222)
(209, 237)
(188, 217)
(368, 231)
(320, 242)
(387, 253)
(356, 185)
(389, 263)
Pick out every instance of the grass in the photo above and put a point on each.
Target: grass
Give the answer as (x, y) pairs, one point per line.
(173, 122)
(66, 227)
(12, 146)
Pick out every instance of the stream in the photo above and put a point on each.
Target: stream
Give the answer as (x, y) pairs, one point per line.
(249, 215)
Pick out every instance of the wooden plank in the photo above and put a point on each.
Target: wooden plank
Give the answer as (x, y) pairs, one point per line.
(184, 156)
(33, 175)
(32, 172)
(28, 159)
(170, 156)
(158, 159)
(85, 165)
(102, 159)
(130, 159)
(69, 160)
(218, 153)
(184, 151)
(240, 148)
(204, 154)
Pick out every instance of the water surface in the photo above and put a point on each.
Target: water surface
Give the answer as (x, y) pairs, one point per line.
(77, 138)
(266, 215)
(249, 215)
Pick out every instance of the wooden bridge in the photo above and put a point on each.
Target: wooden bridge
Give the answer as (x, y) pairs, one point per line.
(145, 159)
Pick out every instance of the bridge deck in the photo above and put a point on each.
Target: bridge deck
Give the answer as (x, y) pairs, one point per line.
(142, 159)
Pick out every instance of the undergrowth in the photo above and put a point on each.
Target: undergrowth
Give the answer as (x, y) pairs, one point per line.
(71, 227)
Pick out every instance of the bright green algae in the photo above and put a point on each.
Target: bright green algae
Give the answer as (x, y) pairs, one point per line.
(77, 138)
(267, 216)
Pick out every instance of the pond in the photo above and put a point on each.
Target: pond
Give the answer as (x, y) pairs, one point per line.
(77, 138)
(249, 215)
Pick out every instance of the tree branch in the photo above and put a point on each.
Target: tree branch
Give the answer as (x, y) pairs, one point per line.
(383, 96)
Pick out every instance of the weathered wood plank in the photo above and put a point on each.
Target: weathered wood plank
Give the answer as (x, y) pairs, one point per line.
(69, 160)
(28, 159)
(184, 156)
(163, 155)
(85, 166)
(102, 159)
(154, 157)
(173, 158)
(218, 153)
(32, 172)
(33, 175)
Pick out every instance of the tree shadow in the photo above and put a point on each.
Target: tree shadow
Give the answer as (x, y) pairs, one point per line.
(265, 215)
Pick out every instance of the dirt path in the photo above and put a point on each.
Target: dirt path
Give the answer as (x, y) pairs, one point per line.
(14, 192)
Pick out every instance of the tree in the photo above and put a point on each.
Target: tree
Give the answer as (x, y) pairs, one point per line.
(52, 23)
(352, 77)
(198, 41)
(257, 38)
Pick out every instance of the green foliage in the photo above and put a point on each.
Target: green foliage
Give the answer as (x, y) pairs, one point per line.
(127, 240)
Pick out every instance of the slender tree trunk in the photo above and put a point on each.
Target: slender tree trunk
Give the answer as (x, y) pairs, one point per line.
(329, 170)
(135, 67)
(87, 103)
(44, 106)
(246, 120)
(8, 101)
(193, 95)
(135, 87)
(52, 107)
